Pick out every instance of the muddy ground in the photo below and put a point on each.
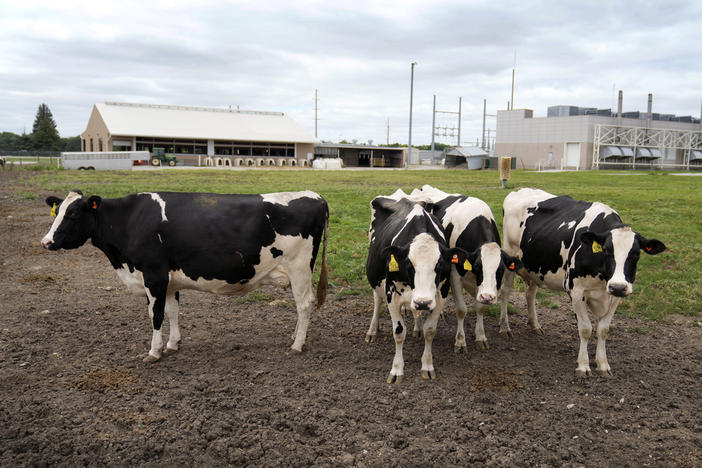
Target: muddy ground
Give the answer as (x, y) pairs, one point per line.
(74, 389)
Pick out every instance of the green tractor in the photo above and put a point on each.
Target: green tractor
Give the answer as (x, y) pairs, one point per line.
(159, 157)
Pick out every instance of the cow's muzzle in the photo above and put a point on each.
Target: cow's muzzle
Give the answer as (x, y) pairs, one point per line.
(618, 290)
(47, 243)
(422, 304)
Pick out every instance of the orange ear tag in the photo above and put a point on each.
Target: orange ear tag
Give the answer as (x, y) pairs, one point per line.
(648, 248)
(511, 266)
(94, 205)
(454, 259)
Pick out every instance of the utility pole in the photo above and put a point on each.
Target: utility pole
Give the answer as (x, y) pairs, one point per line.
(315, 112)
(409, 143)
(387, 130)
(458, 142)
(433, 126)
(484, 109)
(513, 67)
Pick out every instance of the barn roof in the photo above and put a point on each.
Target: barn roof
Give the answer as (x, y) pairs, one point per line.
(206, 123)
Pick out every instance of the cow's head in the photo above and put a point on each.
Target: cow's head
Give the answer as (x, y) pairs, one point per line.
(620, 249)
(74, 222)
(423, 265)
(488, 264)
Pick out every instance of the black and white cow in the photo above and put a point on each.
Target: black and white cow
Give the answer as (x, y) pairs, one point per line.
(469, 224)
(160, 243)
(408, 267)
(579, 247)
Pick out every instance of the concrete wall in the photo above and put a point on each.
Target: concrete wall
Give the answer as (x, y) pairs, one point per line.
(303, 149)
(96, 130)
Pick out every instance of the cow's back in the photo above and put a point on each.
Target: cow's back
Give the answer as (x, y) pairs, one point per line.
(232, 237)
(516, 207)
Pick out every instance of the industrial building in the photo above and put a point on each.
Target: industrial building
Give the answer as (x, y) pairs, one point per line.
(353, 155)
(572, 137)
(200, 135)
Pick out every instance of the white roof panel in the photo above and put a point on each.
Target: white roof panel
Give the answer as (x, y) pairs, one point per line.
(204, 123)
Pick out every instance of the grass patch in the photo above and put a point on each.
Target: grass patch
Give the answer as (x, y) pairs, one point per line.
(666, 208)
(543, 296)
(253, 296)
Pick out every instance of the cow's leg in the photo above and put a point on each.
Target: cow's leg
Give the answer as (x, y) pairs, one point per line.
(480, 338)
(172, 306)
(397, 371)
(531, 307)
(378, 301)
(417, 331)
(461, 311)
(608, 307)
(430, 323)
(301, 284)
(507, 284)
(584, 330)
(156, 290)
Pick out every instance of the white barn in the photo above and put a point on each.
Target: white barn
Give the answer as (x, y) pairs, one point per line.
(199, 134)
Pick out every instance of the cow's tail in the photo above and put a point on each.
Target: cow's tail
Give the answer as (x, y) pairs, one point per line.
(323, 274)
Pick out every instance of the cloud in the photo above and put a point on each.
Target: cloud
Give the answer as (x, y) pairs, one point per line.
(272, 55)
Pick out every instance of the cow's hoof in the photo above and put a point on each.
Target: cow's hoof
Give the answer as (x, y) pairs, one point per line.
(429, 375)
(583, 373)
(169, 351)
(417, 333)
(397, 379)
(294, 352)
(150, 359)
(370, 338)
(605, 372)
(506, 333)
(482, 344)
(538, 330)
(458, 349)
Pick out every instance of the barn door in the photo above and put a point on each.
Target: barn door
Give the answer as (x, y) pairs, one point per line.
(572, 158)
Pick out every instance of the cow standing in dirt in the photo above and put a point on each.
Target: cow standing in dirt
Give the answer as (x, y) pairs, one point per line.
(579, 247)
(469, 224)
(408, 266)
(160, 243)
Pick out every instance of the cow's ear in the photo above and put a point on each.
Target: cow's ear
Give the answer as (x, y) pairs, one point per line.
(51, 201)
(650, 246)
(394, 256)
(94, 203)
(462, 260)
(399, 252)
(511, 263)
(593, 240)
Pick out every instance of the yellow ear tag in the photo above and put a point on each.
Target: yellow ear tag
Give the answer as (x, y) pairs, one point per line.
(596, 247)
(53, 211)
(467, 266)
(393, 266)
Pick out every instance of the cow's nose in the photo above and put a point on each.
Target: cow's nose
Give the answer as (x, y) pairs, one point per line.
(485, 298)
(46, 242)
(619, 290)
(422, 304)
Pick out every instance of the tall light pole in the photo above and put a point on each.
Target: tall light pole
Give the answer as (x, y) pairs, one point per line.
(409, 143)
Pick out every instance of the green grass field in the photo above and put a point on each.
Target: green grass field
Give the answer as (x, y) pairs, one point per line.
(657, 205)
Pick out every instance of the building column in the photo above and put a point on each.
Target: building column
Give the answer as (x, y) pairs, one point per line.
(210, 148)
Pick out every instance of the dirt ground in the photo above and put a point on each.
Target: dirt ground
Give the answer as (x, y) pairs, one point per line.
(74, 389)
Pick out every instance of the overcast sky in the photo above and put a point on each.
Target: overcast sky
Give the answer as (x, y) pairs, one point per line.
(271, 55)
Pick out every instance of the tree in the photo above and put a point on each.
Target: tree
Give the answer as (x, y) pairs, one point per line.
(24, 142)
(44, 133)
(70, 143)
(43, 112)
(8, 141)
